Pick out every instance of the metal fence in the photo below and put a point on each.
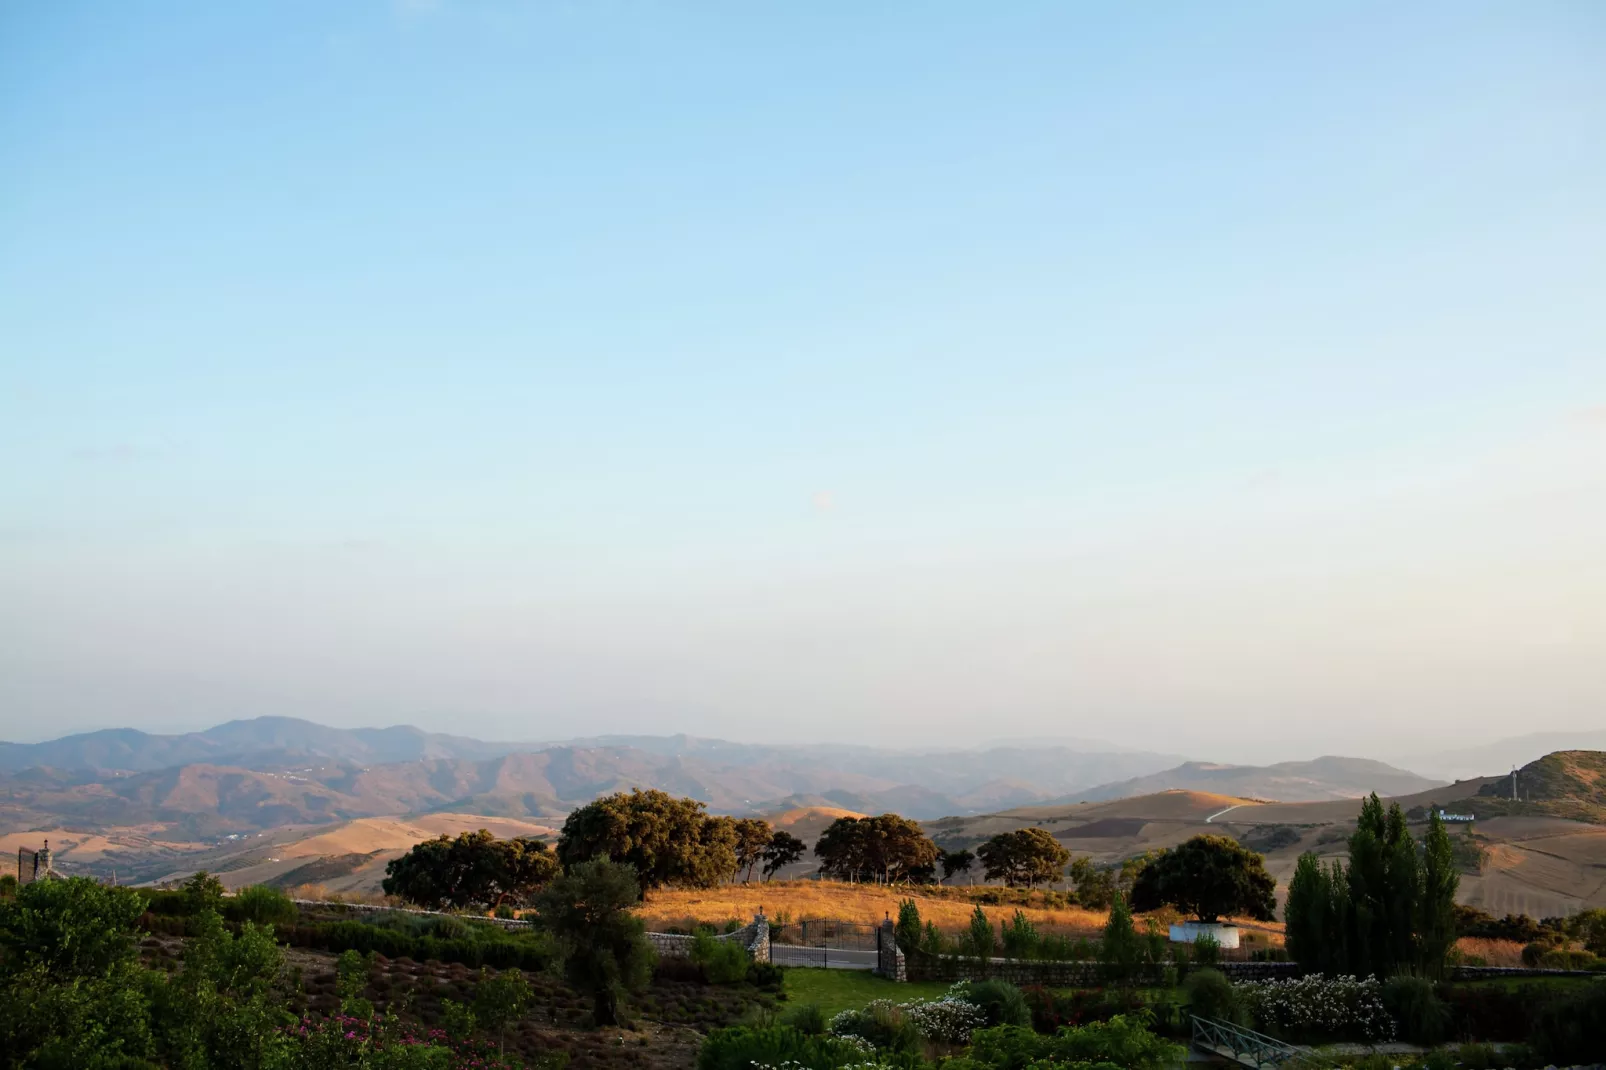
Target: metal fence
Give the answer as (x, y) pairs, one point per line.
(825, 942)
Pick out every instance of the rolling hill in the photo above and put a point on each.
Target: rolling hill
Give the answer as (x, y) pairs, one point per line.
(1322, 778)
(1545, 856)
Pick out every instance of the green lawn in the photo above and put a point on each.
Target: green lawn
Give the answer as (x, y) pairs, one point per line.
(840, 990)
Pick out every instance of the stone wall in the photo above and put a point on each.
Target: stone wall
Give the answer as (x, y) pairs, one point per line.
(759, 946)
(1479, 973)
(1084, 974)
(755, 937)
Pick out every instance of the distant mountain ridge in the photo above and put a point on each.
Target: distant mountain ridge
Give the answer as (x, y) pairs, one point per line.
(130, 750)
(1317, 780)
(251, 775)
(248, 776)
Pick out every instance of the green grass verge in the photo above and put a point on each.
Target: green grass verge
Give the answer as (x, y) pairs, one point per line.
(840, 990)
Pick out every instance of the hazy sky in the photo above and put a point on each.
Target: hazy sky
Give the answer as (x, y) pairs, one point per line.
(1219, 378)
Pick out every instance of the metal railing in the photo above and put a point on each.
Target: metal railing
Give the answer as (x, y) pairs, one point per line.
(1241, 1045)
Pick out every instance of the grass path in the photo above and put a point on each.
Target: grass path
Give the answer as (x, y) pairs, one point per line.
(840, 990)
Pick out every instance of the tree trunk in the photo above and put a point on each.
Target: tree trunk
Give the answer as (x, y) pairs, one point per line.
(605, 1007)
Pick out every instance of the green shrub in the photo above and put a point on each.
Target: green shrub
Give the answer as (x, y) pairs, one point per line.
(1051, 1010)
(1019, 937)
(1571, 1027)
(1000, 1001)
(261, 904)
(908, 930)
(766, 975)
(526, 951)
(1123, 1041)
(1479, 1057)
(1211, 995)
(723, 962)
(806, 1018)
(165, 903)
(1564, 959)
(1532, 953)
(1207, 951)
(976, 942)
(741, 1047)
(1422, 1016)
(449, 928)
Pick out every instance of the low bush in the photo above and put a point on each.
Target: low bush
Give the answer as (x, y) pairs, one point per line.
(723, 962)
(882, 1024)
(1565, 959)
(1122, 1041)
(1479, 1057)
(1212, 995)
(1001, 1002)
(525, 951)
(1488, 1012)
(1570, 1027)
(766, 975)
(1051, 1010)
(165, 903)
(744, 1047)
(1421, 1017)
(806, 1018)
(260, 904)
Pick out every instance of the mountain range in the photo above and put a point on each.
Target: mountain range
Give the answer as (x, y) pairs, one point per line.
(246, 776)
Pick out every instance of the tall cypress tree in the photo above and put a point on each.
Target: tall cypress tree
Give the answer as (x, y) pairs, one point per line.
(1402, 892)
(1337, 945)
(1436, 912)
(1303, 911)
(1319, 917)
(1367, 881)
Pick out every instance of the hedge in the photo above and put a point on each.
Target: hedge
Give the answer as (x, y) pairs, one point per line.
(524, 951)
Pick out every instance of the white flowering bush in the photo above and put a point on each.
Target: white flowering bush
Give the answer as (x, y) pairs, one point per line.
(949, 1020)
(1345, 1007)
(846, 1034)
(792, 1064)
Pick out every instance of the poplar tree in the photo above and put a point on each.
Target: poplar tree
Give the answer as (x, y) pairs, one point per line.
(1436, 924)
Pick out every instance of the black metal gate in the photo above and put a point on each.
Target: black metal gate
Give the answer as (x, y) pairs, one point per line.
(825, 942)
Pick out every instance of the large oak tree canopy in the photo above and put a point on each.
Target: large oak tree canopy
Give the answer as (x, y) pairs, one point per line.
(1029, 856)
(667, 840)
(1210, 877)
(888, 847)
(475, 869)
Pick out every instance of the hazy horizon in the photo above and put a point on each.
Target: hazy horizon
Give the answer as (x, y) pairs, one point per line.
(1223, 382)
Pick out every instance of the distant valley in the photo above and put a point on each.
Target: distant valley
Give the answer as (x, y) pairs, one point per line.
(291, 803)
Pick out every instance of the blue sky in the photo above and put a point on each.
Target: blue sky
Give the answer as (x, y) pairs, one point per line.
(848, 371)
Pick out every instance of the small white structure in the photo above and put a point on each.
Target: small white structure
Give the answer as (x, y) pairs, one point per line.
(1189, 931)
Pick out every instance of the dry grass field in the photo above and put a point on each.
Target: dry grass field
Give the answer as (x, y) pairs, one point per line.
(1493, 952)
(863, 903)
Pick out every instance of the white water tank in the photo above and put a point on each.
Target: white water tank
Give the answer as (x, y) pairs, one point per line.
(1189, 931)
